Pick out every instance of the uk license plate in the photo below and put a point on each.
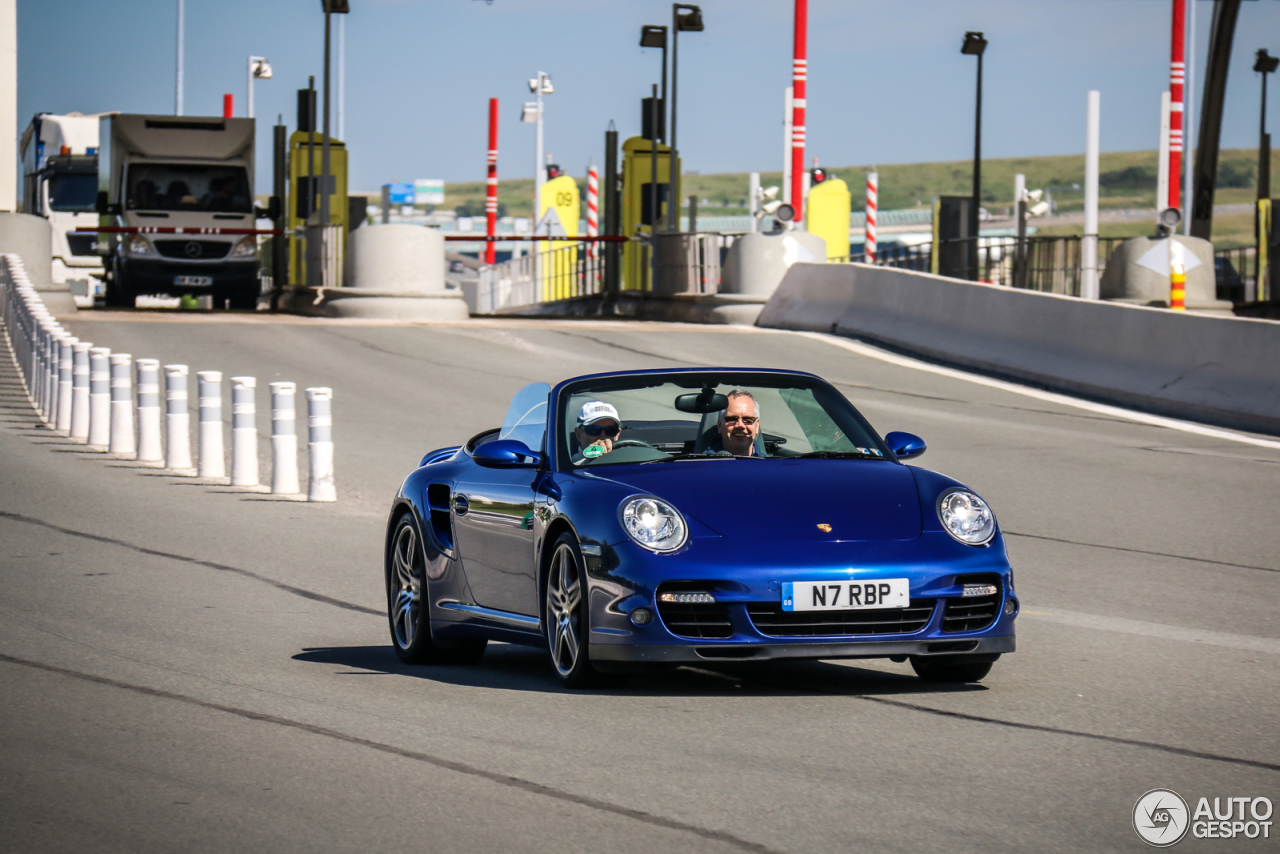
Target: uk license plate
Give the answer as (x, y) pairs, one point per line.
(846, 595)
(193, 281)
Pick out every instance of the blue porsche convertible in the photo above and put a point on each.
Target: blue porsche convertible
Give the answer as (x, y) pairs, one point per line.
(648, 519)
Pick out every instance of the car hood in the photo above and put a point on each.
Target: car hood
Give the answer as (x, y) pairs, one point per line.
(787, 500)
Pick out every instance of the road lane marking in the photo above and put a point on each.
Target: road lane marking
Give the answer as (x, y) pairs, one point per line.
(1047, 396)
(221, 567)
(439, 762)
(1141, 552)
(1152, 630)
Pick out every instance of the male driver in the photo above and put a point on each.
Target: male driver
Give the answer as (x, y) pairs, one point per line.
(598, 425)
(738, 425)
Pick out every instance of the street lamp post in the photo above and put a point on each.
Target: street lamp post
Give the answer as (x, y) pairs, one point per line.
(331, 7)
(1265, 64)
(688, 21)
(975, 45)
(539, 86)
(259, 69)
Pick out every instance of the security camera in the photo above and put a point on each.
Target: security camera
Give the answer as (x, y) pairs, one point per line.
(1038, 209)
(769, 193)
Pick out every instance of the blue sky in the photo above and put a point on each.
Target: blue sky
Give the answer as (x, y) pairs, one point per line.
(887, 83)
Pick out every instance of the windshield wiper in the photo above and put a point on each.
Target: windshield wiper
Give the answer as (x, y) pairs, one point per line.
(839, 455)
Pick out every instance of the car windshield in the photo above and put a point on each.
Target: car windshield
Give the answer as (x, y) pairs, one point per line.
(704, 415)
(188, 187)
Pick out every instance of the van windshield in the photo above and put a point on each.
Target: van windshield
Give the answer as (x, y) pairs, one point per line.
(73, 192)
(183, 187)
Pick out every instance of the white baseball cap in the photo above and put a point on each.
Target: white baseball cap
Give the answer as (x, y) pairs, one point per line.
(597, 410)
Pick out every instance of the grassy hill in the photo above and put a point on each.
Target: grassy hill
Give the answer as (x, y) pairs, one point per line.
(1127, 180)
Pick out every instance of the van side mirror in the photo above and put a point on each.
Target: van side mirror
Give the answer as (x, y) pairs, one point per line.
(271, 211)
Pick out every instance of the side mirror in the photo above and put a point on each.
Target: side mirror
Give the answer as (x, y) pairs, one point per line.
(100, 205)
(271, 211)
(506, 453)
(905, 445)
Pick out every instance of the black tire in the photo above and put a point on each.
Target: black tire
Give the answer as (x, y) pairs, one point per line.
(243, 302)
(567, 619)
(944, 670)
(407, 611)
(116, 295)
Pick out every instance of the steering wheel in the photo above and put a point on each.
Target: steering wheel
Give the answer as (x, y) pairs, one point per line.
(632, 443)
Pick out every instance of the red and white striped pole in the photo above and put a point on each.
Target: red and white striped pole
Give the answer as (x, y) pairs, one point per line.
(593, 207)
(799, 73)
(873, 190)
(1177, 76)
(491, 191)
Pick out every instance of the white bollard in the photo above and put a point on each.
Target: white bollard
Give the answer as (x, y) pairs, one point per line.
(177, 419)
(66, 357)
(123, 439)
(320, 448)
(212, 459)
(52, 361)
(99, 398)
(284, 439)
(244, 432)
(80, 391)
(149, 450)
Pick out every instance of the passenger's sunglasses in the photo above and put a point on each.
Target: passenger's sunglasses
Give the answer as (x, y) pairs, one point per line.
(597, 430)
(747, 420)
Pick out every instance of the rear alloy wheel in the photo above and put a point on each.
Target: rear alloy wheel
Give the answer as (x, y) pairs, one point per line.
(567, 621)
(407, 610)
(943, 670)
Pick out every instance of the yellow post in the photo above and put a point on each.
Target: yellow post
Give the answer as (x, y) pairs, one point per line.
(1263, 288)
(561, 196)
(637, 174)
(827, 215)
(300, 195)
(935, 251)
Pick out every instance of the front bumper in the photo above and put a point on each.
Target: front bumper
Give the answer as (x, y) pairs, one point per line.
(150, 276)
(690, 650)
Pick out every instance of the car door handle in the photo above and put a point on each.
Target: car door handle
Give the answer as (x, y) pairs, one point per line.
(461, 505)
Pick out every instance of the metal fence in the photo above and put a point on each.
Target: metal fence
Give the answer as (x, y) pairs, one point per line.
(1048, 264)
(562, 270)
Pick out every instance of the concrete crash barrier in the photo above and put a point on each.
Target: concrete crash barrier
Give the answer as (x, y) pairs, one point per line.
(1215, 369)
(393, 272)
(284, 439)
(212, 460)
(320, 448)
(29, 240)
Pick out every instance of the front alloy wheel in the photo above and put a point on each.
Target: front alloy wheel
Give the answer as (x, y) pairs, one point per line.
(566, 619)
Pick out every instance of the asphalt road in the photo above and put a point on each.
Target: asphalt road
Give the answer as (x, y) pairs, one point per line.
(187, 667)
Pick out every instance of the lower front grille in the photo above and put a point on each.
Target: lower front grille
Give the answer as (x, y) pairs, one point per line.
(771, 620)
(688, 620)
(971, 614)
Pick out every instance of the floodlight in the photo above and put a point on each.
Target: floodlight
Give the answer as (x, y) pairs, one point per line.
(974, 44)
(688, 22)
(652, 35)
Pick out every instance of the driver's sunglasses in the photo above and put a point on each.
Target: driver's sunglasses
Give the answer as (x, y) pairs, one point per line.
(597, 430)
(748, 420)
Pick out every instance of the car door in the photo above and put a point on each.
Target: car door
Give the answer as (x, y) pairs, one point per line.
(493, 515)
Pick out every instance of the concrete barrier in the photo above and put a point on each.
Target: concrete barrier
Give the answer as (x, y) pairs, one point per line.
(1214, 369)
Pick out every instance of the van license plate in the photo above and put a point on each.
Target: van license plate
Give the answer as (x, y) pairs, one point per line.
(193, 281)
(846, 595)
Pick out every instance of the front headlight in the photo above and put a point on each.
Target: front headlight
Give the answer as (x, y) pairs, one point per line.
(139, 245)
(966, 517)
(653, 524)
(246, 248)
